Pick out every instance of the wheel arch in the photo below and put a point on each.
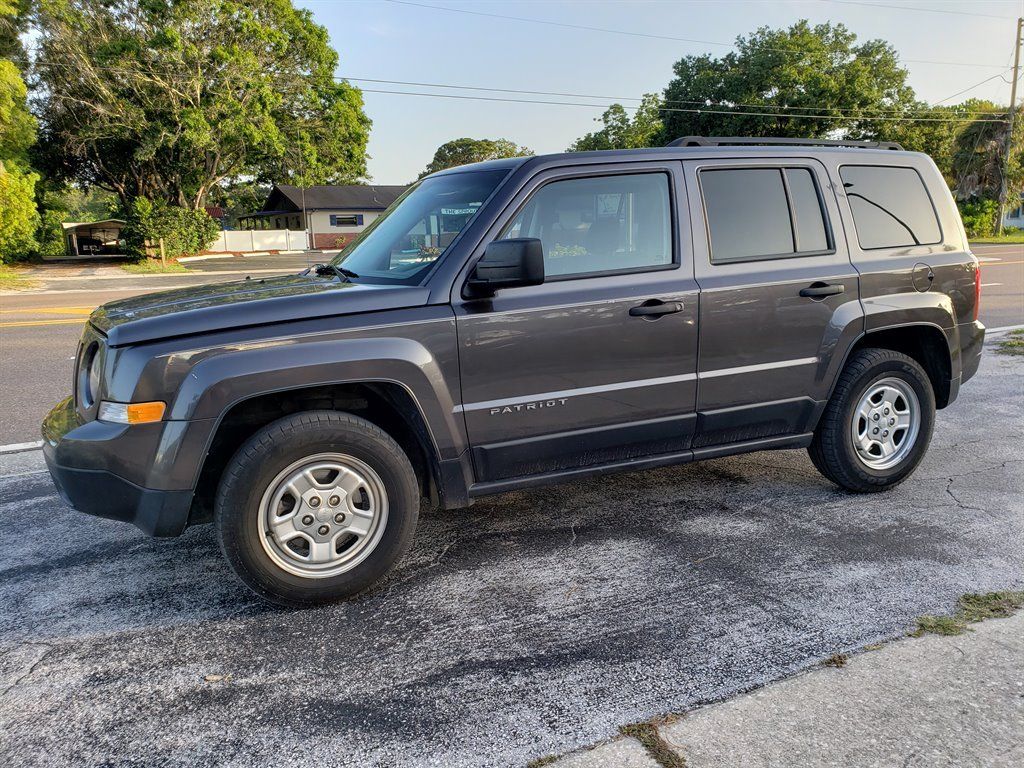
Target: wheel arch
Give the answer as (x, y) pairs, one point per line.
(924, 342)
(388, 404)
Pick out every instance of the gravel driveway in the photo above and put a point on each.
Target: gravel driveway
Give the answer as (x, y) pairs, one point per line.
(532, 623)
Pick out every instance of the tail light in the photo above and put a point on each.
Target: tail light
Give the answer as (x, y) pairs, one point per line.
(977, 290)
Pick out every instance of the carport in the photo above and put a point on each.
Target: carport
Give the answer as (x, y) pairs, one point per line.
(96, 238)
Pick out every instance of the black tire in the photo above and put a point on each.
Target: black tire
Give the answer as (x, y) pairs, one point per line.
(833, 452)
(279, 445)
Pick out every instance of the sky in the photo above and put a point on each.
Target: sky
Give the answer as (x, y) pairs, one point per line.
(420, 42)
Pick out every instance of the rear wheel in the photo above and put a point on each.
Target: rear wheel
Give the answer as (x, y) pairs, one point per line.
(316, 507)
(876, 427)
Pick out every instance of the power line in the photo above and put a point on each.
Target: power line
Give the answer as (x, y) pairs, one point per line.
(679, 109)
(919, 10)
(971, 88)
(703, 106)
(567, 25)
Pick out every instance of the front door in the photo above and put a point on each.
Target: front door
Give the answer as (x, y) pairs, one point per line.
(779, 296)
(598, 364)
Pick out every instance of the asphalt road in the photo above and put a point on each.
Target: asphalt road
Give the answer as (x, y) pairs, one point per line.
(529, 624)
(39, 331)
(1002, 284)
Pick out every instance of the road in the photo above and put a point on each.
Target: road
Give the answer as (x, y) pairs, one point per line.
(1002, 284)
(39, 331)
(532, 623)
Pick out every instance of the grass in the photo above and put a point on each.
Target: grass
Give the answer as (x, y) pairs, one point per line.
(971, 609)
(658, 749)
(12, 279)
(540, 762)
(1012, 237)
(1013, 344)
(152, 267)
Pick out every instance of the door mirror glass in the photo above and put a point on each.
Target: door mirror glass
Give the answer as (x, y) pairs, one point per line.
(508, 264)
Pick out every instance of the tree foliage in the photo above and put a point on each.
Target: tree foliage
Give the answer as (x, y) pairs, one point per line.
(977, 163)
(18, 215)
(163, 99)
(14, 18)
(621, 131)
(463, 151)
(816, 72)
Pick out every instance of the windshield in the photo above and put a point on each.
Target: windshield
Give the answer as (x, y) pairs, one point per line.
(404, 241)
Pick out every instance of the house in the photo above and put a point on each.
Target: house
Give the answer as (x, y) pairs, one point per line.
(1014, 213)
(93, 238)
(333, 215)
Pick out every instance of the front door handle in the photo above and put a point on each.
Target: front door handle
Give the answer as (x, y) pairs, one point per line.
(649, 309)
(820, 290)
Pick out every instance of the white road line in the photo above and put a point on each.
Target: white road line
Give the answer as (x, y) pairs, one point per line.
(989, 285)
(19, 447)
(988, 258)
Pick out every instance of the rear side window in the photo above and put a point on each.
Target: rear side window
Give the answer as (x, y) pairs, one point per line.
(891, 207)
(763, 213)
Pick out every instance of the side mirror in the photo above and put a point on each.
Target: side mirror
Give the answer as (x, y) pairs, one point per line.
(508, 264)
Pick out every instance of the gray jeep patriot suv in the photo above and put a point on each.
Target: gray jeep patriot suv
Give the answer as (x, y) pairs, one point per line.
(526, 321)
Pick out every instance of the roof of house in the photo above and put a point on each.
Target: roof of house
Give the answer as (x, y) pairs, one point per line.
(351, 197)
(74, 224)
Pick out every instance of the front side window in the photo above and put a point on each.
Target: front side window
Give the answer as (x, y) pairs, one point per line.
(763, 213)
(599, 224)
(891, 207)
(401, 244)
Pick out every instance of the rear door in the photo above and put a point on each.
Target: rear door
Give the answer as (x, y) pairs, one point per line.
(778, 295)
(574, 373)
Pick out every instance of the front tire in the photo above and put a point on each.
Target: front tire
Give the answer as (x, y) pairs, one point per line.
(316, 507)
(877, 425)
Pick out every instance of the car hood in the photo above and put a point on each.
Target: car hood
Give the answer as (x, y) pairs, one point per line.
(240, 303)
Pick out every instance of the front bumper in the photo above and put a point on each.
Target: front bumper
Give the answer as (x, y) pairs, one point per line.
(83, 459)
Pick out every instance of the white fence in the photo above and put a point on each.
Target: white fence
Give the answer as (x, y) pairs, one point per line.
(244, 240)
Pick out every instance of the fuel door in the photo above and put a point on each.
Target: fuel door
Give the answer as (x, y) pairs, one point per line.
(923, 277)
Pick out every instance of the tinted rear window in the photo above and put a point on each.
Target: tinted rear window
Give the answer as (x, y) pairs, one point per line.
(749, 213)
(891, 207)
(810, 225)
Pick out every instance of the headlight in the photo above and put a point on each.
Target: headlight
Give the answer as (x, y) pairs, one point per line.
(92, 387)
(89, 374)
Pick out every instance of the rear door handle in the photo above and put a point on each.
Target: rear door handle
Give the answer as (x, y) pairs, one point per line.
(660, 308)
(818, 290)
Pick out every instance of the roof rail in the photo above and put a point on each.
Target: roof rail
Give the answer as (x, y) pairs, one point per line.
(719, 141)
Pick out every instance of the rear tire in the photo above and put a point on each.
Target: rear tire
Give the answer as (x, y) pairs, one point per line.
(877, 425)
(316, 507)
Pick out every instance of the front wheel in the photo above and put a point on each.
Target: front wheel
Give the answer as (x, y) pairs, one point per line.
(316, 507)
(877, 425)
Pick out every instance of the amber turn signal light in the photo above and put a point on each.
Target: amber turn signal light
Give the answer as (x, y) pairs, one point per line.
(131, 413)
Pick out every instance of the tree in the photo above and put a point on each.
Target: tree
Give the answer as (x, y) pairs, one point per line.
(18, 214)
(620, 131)
(14, 18)
(815, 72)
(164, 99)
(463, 151)
(977, 163)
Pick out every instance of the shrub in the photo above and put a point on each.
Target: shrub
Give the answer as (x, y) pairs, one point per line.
(979, 216)
(184, 231)
(18, 215)
(51, 234)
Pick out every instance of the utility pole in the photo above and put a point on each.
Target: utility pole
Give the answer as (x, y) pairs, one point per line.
(1009, 132)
